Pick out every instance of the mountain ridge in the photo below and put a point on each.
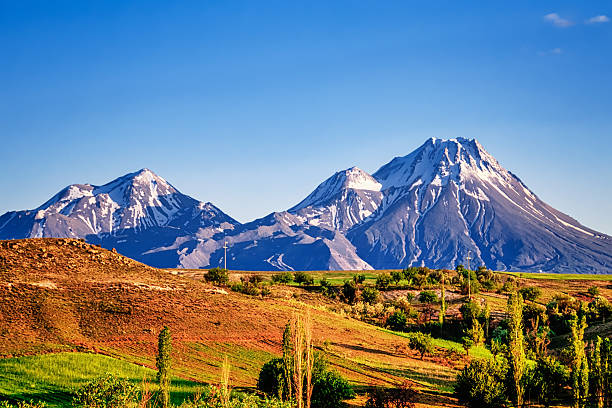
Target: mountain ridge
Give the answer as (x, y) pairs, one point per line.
(429, 208)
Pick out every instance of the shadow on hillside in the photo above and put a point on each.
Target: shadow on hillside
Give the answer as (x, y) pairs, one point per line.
(364, 349)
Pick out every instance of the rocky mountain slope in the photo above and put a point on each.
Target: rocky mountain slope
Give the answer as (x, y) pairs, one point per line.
(432, 207)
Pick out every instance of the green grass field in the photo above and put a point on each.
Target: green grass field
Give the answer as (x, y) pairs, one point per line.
(53, 378)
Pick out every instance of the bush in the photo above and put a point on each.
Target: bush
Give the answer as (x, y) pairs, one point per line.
(23, 404)
(107, 392)
(349, 291)
(481, 384)
(530, 293)
(594, 291)
(369, 295)
(329, 388)
(359, 278)
(547, 379)
(218, 276)
(421, 342)
(303, 278)
(402, 397)
(428, 296)
(282, 277)
(397, 276)
(397, 321)
(383, 280)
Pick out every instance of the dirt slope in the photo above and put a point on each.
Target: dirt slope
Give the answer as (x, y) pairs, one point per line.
(63, 294)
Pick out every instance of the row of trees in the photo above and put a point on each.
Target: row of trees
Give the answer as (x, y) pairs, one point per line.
(586, 370)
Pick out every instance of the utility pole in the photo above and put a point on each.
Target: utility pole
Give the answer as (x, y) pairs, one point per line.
(469, 276)
(225, 255)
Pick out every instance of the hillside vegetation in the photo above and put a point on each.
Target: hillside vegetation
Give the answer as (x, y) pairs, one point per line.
(68, 297)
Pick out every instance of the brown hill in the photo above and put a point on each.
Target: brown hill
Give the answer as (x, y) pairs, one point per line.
(64, 294)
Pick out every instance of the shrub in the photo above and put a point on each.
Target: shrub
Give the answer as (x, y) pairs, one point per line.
(481, 384)
(369, 295)
(23, 404)
(547, 379)
(421, 342)
(282, 277)
(530, 293)
(397, 276)
(329, 388)
(303, 278)
(428, 296)
(383, 280)
(107, 392)
(402, 397)
(594, 291)
(349, 291)
(359, 278)
(397, 321)
(218, 276)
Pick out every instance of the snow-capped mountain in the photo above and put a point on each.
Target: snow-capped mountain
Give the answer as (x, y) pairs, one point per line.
(431, 207)
(449, 197)
(342, 201)
(130, 213)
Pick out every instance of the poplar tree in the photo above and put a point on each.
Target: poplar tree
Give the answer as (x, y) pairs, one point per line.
(596, 373)
(163, 362)
(516, 349)
(580, 367)
(287, 364)
(442, 302)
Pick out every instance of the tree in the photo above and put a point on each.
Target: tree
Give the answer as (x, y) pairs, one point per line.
(516, 348)
(107, 392)
(218, 276)
(596, 373)
(530, 293)
(282, 277)
(397, 276)
(303, 278)
(163, 362)
(579, 364)
(421, 342)
(383, 280)
(481, 384)
(359, 278)
(369, 295)
(349, 291)
(397, 321)
(442, 302)
(547, 379)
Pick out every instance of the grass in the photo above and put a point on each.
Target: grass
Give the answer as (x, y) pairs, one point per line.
(560, 276)
(53, 378)
(477, 352)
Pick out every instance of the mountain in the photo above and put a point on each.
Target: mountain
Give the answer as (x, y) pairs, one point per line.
(133, 214)
(433, 207)
(449, 197)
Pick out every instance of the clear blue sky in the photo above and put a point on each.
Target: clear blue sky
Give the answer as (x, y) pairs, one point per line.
(251, 104)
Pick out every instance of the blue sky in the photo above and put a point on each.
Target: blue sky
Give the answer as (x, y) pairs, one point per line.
(252, 104)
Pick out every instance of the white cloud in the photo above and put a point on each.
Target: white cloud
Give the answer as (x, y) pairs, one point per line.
(598, 19)
(557, 20)
(554, 51)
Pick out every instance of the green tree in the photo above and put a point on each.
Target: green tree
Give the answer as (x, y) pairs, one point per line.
(516, 347)
(482, 384)
(397, 321)
(370, 295)
(163, 362)
(530, 293)
(383, 280)
(421, 342)
(397, 276)
(218, 276)
(579, 364)
(596, 373)
(442, 302)
(547, 380)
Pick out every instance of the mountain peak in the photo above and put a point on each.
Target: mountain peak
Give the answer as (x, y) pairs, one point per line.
(350, 179)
